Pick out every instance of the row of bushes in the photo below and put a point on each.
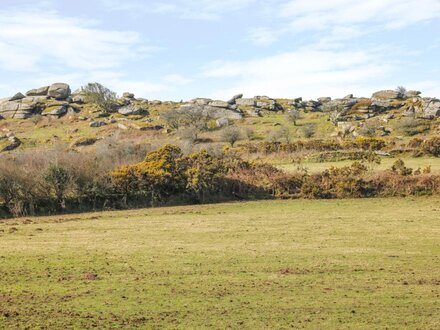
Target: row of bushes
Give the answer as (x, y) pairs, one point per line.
(73, 182)
(429, 147)
(360, 143)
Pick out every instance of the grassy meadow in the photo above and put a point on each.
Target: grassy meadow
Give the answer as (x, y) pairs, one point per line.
(340, 264)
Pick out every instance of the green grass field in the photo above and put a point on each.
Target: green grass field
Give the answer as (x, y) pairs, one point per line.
(342, 264)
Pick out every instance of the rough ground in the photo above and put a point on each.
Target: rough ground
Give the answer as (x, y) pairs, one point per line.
(352, 264)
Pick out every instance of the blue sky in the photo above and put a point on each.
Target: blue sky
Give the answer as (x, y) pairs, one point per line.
(180, 49)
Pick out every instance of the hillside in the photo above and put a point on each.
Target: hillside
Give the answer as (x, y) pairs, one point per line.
(53, 115)
(92, 150)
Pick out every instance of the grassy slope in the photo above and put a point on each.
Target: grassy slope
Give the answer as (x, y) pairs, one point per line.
(352, 264)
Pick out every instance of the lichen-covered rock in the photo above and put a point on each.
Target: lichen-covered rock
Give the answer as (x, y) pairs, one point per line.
(387, 95)
(128, 95)
(42, 91)
(55, 110)
(59, 91)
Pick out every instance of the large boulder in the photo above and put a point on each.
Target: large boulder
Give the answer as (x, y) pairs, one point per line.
(431, 107)
(42, 91)
(387, 95)
(59, 91)
(129, 110)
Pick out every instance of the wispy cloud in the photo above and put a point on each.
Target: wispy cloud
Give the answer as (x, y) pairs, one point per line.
(208, 10)
(337, 20)
(305, 72)
(39, 47)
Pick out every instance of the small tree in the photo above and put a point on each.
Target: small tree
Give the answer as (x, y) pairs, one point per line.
(293, 116)
(101, 96)
(231, 135)
(194, 118)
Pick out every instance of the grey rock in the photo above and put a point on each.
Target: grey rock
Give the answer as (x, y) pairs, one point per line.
(246, 102)
(201, 101)
(34, 99)
(17, 97)
(42, 91)
(96, 124)
(431, 107)
(129, 110)
(55, 110)
(412, 93)
(9, 106)
(128, 95)
(59, 91)
(219, 104)
(386, 95)
(235, 98)
(222, 122)
(324, 99)
(14, 143)
(80, 99)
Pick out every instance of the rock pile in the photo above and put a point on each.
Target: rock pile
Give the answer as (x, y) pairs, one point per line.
(351, 108)
(55, 99)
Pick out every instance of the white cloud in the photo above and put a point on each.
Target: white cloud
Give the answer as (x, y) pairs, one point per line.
(40, 47)
(31, 40)
(306, 72)
(209, 10)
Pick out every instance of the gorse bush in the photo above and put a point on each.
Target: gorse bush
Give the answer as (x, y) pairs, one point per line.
(60, 181)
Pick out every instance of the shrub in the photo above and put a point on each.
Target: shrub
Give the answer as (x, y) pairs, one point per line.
(101, 96)
(58, 178)
(400, 168)
(411, 126)
(308, 130)
(231, 134)
(432, 146)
